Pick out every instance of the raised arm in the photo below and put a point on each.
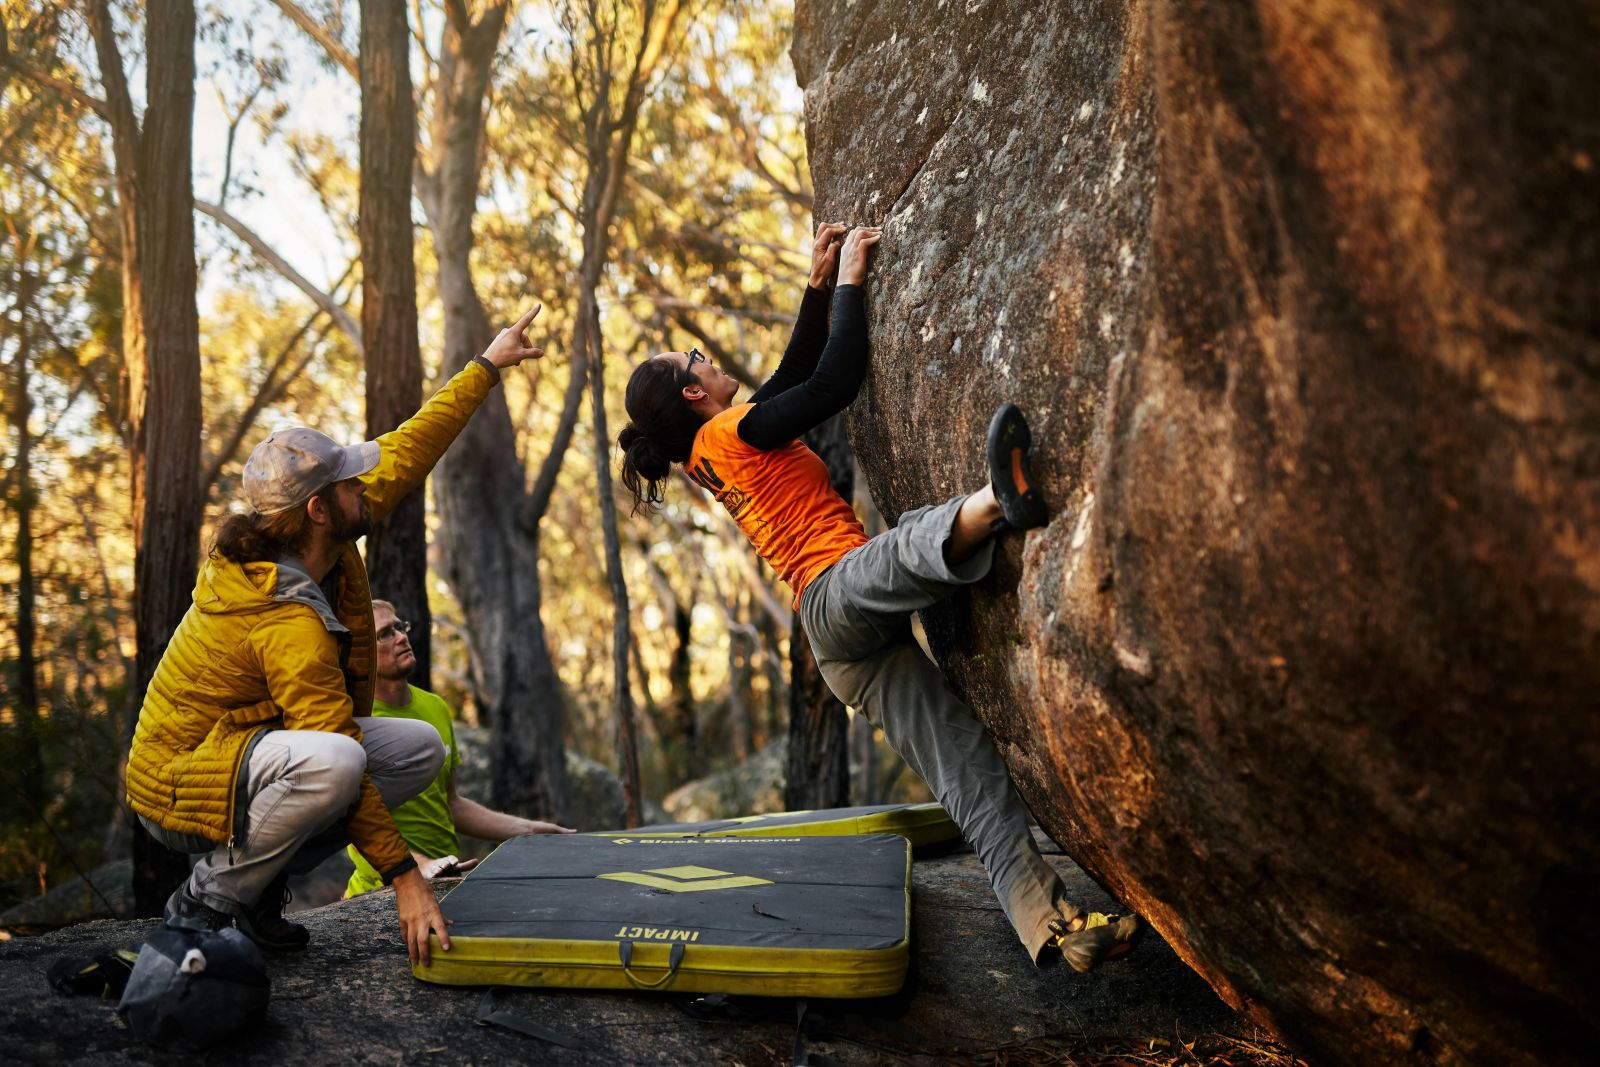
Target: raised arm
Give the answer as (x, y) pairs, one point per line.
(811, 325)
(410, 450)
(836, 378)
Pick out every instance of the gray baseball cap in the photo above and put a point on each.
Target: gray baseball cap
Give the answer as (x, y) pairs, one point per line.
(286, 469)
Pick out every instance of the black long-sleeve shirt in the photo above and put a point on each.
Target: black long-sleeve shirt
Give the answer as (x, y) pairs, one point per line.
(820, 373)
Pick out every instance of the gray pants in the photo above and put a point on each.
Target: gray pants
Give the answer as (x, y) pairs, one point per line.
(300, 786)
(857, 615)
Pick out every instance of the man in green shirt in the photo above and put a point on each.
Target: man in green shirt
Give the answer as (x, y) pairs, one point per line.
(429, 821)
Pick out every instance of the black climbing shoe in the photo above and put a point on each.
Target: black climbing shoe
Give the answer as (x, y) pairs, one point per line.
(192, 913)
(104, 976)
(263, 922)
(1010, 445)
(1105, 938)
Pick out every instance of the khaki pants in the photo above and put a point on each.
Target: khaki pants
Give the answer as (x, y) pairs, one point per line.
(300, 786)
(857, 615)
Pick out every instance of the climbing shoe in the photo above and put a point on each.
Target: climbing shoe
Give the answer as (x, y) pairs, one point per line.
(1102, 939)
(191, 913)
(1010, 446)
(263, 921)
(105, 975)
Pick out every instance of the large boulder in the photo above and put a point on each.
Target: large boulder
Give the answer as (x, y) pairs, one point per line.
(594, 792)
(754, 787)
(1303, 303)
(104, 893)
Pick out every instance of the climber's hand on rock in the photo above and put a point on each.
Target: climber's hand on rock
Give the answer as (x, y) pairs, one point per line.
(853, 258)
(825, 252)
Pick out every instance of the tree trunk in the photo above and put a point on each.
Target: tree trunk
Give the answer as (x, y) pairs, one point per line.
(490, 527)
(866, 761)
(608, 138)
(622, 696)
(397, 562)
(818, 772)
(31, 769)
(680, 733)
(163, 368)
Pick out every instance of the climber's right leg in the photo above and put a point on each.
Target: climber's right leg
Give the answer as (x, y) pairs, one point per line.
(904, 693)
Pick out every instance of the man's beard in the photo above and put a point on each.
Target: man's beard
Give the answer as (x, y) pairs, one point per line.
(349, 527)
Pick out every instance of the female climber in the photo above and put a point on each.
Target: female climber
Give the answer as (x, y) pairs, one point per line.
(856, 595)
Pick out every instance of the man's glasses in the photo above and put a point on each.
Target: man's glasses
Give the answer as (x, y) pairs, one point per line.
(695, 356)
(393, 630)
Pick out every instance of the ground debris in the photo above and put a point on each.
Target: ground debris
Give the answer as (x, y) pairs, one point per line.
(1206, 1050)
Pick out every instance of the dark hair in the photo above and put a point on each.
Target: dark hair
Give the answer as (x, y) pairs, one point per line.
(661, 432)
(250, 537)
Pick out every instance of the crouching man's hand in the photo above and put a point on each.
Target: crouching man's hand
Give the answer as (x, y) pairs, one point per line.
(512, 346)
(534, 826)
(419, 915)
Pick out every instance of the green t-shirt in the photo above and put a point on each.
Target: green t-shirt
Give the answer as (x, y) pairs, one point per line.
(424, 820)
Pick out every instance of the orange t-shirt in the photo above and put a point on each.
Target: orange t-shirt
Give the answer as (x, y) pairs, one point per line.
(783, 500)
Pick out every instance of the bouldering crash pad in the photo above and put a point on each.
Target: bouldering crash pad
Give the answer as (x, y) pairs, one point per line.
(768, 916)
(921, 824)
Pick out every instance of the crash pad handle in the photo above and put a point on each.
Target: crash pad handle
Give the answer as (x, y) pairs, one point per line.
(625, 950)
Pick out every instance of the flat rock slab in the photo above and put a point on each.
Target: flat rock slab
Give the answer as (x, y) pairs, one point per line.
(350, 998)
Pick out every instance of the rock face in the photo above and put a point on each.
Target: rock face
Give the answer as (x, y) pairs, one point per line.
(104, 893)
(1303, 301)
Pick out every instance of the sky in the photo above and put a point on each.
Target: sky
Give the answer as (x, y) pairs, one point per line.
(287, 214)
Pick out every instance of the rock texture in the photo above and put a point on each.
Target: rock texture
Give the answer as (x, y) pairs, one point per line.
(103, 893)
(1303, 300)
(754, 787)
(350, 998)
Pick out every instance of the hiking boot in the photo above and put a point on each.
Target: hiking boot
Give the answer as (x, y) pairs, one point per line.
(263, 921)
(190, 912)
(1105, 938)
(1010, 445)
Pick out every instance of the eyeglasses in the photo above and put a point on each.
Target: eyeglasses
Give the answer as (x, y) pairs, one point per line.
(393, 630)
(695, 356)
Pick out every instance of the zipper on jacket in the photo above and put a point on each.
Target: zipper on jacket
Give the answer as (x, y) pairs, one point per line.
(233, 785)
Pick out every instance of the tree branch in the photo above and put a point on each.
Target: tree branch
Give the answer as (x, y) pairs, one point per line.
(272, 388)
(341, 318)
(83, 213)
(234, 119)
(319, 33)
(722, 356)
(677, 303)
(50, 81)
(456, 12)
(118, 104)
(544, 486)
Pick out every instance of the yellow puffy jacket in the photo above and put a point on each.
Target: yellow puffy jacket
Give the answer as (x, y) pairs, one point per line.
(245, 660)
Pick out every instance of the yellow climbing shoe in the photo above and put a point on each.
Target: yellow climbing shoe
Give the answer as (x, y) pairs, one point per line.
(1101, 939)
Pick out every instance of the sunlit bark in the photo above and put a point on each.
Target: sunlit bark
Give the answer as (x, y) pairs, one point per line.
(161, 345)
(397, 561)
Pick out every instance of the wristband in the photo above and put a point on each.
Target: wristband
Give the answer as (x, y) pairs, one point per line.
(407, 864)
(494, 372)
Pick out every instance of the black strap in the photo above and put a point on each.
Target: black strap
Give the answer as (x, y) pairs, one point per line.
(798, 1057)
(625, 952)
(487, 1016)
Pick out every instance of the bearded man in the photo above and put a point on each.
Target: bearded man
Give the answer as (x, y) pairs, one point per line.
(255, 749)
